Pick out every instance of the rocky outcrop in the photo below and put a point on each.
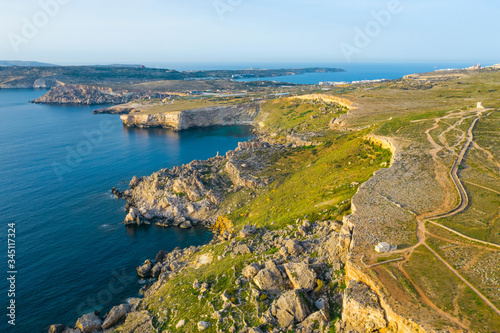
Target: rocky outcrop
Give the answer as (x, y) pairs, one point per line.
(89, 95)
(224, 115)
(79, 94)
(300, 275)
(188, 195)
(361, 309)
(290, 308)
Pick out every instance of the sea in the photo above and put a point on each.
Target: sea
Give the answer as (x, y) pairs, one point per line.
(72, 254)
(58, 164)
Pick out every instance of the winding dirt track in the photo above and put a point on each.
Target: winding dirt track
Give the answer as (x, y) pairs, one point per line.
(464, 202)
(441, 177)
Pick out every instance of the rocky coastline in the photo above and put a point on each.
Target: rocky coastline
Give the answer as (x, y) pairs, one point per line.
(189, 195)
(92, 95)
(297, 270)
(224, 115)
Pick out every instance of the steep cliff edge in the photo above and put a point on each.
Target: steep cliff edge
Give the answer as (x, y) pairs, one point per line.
(225, 115)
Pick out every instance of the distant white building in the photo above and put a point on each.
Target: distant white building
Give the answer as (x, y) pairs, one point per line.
(383, 247)
(480, 105)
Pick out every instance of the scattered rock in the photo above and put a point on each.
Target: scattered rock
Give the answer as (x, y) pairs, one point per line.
(251, 270)
(269, 279)
(247, 231)
(57, 328)
(155, 272)
(203, 325)
(242, 249)
(293, 247)
(116, 313)
(291, 308)
(300, 275)
(89, 323)
(144, 271)
(180, 324)
(185, 225)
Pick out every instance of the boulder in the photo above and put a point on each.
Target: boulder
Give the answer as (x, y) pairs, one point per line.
(89, 323)
(144, 271)
(180, 324)
(255, 330)
(134, 304)
(291, 308)
(116, 313)
(185, 225)
(251, 270)
(160, 256)
(57, 328)
(247, 231)
(293, 247)
(361, 309)
(317, 320)
(155, 272)
(242, 249)
(134, 182)
(300, 275)
(203, 325)
(269, 279)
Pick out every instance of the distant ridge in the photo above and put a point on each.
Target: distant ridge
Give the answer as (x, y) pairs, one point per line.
(10, 63)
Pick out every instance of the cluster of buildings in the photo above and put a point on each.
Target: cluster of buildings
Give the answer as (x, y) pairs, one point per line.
(474, 67)
(329, 83)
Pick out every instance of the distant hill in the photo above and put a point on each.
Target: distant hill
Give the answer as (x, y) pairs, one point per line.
(120, 65)
(9, 63)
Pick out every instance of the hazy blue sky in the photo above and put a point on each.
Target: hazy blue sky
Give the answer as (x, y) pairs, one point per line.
(139, 31)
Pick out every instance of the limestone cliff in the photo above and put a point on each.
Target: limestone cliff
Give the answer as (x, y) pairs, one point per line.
(226, 115)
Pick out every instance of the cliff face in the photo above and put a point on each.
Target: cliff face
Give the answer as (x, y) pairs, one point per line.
(228, 115)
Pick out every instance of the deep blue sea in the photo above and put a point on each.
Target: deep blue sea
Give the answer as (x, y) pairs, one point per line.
(73, 255)
(353, 71)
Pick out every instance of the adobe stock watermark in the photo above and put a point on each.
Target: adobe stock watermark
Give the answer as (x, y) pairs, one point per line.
(372, 29)
(224, 6)
(31, 26)
(105, 296)
(75, 155)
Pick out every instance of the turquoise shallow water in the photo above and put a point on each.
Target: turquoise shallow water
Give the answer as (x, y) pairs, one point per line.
(73, 253)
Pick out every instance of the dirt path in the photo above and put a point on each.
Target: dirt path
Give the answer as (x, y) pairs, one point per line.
(484, 187)
(429, 303)
(447, 209)
(464, 199)
(464, 236)
(460, 243)
(478, 293)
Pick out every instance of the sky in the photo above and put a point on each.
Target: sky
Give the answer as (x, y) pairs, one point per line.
(237, 31)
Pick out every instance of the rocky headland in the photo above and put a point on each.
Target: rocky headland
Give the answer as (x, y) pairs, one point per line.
(92, 95)
(224, 115)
